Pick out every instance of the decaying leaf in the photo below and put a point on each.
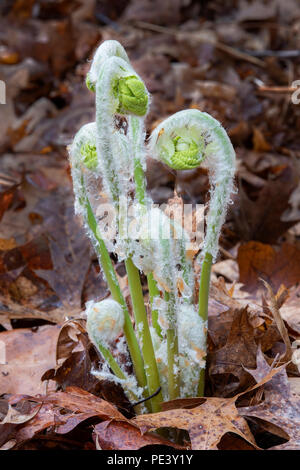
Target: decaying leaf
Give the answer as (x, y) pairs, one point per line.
(274, 307)
(276, 266)
(121, 435)
(279, 408)
(206, 424)
(28, 354)
(70, 249)
(256, 218)
(238, 352)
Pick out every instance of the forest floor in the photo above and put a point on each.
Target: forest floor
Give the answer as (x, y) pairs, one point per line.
(237, 63)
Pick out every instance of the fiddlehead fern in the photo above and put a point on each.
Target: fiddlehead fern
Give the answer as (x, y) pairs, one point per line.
(112, 149)
(181, 141)
(80, 161)
(202, 132)
(119, 90)
(105, 322)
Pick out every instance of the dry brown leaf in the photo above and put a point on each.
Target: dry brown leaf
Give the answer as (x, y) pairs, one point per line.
(279, 408)
(258, 260)
(238, 352)
(28, 354)
(70, 249)
(255, 217)
(259, 142)
(290, 309)
(206, 424)
(15, 417)
(14, 310)
(274, 308)
(116, 435)
(57, 412)
(78, 400)
(228, 269)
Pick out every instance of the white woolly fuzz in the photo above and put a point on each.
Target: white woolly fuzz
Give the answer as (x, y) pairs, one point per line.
(106, 50)
(115, 148)
(218, 157)
(161, 355)
(129, 384)
(192, 348)
(86, 135)
(191, 333)
(159, 246)
(105, 321)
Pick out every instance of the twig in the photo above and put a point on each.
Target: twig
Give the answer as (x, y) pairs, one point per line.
(202, 38)
(279, 321)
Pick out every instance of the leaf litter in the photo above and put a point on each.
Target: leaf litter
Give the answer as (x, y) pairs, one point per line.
(50, 399)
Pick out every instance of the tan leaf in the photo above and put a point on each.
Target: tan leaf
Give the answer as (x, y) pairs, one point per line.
(206, 424)
(28, 354)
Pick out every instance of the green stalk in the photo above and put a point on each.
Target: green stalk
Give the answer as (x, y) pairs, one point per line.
(140, 190)
(204, 286)
(172, 334)
(139, 178)
(203, 305)
(154, 292)
(114, 366)
(172, 348)
(117, 295)
(142, 327)
(109, 358)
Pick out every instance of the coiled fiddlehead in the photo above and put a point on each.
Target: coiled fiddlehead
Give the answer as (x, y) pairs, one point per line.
(184, 141)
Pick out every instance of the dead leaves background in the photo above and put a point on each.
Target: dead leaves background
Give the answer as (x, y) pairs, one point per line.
(50, 399)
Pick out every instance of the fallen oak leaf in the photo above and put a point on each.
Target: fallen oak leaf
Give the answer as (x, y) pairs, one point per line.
(262, 367)
(206, 424)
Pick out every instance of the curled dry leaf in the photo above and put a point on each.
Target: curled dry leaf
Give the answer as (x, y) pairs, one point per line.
(121, 435)
(290, 310)
(15, 417)
(58, 412)
(78, 400)
(238, 352)
(274, 308)
(280, 408)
